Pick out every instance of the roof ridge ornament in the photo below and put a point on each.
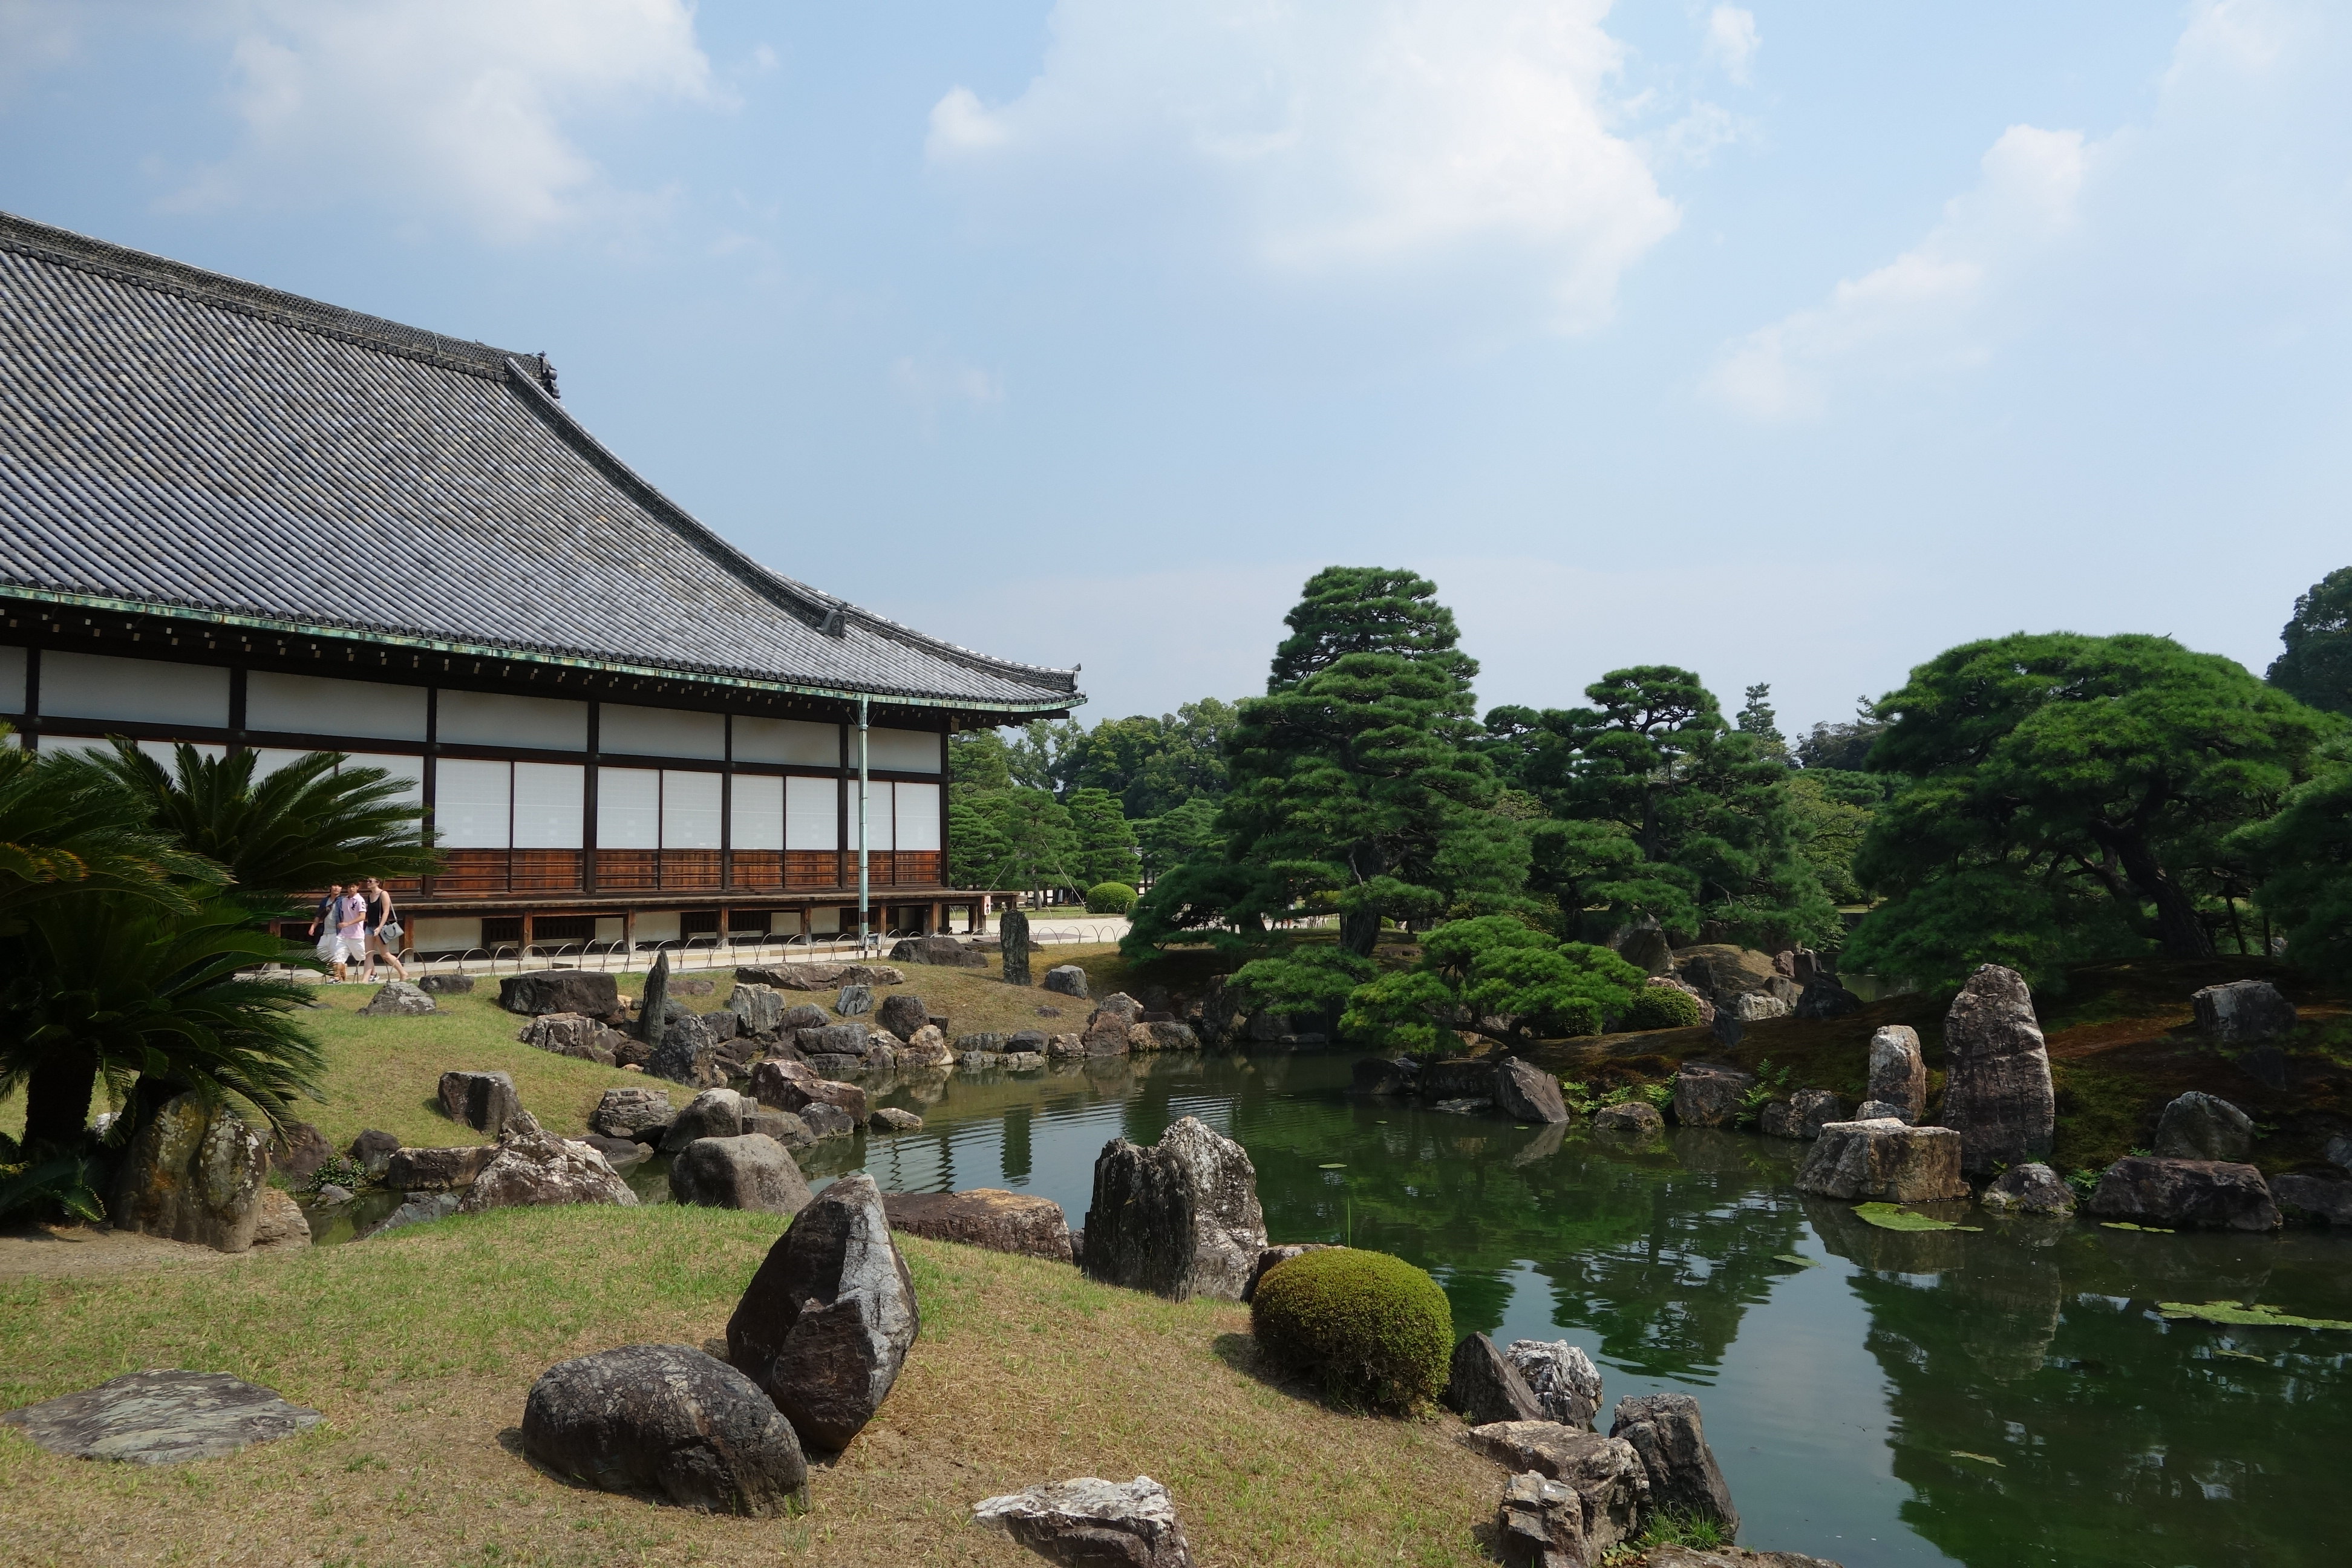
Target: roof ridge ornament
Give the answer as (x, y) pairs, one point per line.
(546, 373)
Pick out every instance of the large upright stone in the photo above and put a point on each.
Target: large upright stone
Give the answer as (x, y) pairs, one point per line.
(1525, 1092)
(1646, 949)
(1606, 1473)
(1889, 1160)
(485, 1101)
(750, 1172)
(1564, 1381)
(1898, 1072)
(653, 1007)
(1997, 1090)
(193, 1174)
(902, 1012)
(1664, 1429)
(829, 1317)
(2204, 1127)
(2242, 1013)
(856, 1000)
(686, 1053)
(1541, 1524)
(667, 1419)
(1481, 1386)
(1013, 937)
(559, 991)
(1180, 1219)
(760, 1010)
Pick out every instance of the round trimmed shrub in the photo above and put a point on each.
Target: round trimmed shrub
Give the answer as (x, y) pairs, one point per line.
(1377, 1331)
(1660, 1008)
(1110, 899)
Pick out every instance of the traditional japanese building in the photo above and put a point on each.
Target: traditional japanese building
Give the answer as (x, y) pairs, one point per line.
(250, 520)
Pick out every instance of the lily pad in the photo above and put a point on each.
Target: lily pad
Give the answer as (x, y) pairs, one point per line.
(2236, 1354)
(1980, 1458)
(1334, 1165)
(2238, 1314)
(1794, 1261)
(1891, 1216)
(2126, 1224)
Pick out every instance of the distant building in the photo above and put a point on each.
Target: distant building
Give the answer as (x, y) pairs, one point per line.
(250, 520)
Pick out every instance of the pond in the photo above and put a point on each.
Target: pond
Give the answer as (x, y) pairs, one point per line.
(2004, 1399)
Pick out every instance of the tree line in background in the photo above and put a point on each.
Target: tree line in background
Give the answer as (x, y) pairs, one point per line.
(2034, 800)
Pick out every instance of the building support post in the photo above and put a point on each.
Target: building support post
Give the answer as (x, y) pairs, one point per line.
(864, 912)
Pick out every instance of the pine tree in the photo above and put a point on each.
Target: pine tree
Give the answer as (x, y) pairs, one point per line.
(1106, 842)
(2317, 667)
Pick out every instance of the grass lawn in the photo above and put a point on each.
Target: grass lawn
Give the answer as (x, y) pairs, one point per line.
(420, 1346)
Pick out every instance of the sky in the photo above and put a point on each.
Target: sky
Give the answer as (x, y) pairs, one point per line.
(1789, 344)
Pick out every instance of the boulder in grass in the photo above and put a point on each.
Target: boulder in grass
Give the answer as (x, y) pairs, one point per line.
(854, 1001)
(1563, 1378)
(485, 1101)
(1481, 1386)
(298, 1148)
(1525, 1092)
(987, 1217)
(1180, 1219)
(669, 1420)
(1709, 1094)
(2177, 1195)
(791, 976)
(372, 1150)
(1606, 1474)
(2204, 1127)
(1067, 979)
(1755, 1007)
(2242, 1013)
(827, 1320)
(1888, 1161)
(1898, 1072)
(1664, 1430)
(437, 1170)
(749, 1171)
(902, 1012)
(578, 1035)
(532, 1169)
(397, 999)
(161, 1417)
(1997, 1090)
(686, 1053)
(759, 1010)
(280, 1222)
(1092, 1523)
(2033, 1188)
(629, 1110)
(447, 984)
(559, 991)
(196, 1173)
(713, 1114)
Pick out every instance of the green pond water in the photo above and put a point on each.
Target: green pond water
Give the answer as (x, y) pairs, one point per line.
(2007, 1398)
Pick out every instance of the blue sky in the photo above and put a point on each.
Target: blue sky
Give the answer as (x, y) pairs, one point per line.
(1792, 343)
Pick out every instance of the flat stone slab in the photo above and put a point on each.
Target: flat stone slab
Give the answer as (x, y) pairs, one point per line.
(162, 1418)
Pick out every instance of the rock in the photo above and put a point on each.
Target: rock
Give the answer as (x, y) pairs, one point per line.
(2338, 1152)
(939, 950)
(1541, 1524)
(769, 1079)
(194, 1173)
(1646, 949)
(485, 1101)
(330, 1194)
(576, 1035)
(890, 1119)
(1888, 1161)
(1525, 1092)
(667, 1419)
(1091, 1523)
(1180, 1219)
(784, 1126)
(902, 1012)
(2305, 1199)
(1705, 1003)
(791, 976)
(1606, 1473)
(686, 1054)
(1013, 938)
(624, 1112)
(1067, 979)
(437, 1170)
(1752, 1006)
(986, 1218)
(1997, 1090)
(927, 1049)
(1664, 1429)
(1376, 1076)
(1107, 1028)
(280, 1222)
(1708, 1094)
(1272, 1258)
(1810, 1109)
(1823, 997)
(2201, 1127)
(561, 990)
(298, 1148)
(1879, 1110)
(854, 1001)
(691, 986)
(801, 1015)
(1022, 1061)
(1777, 1119)
(1898, 1073)
(832, 1040)
(1726, 1028)
(829, 1317)
(1637, 1116)
(872, 974)
(825, 1120)
(751, 1171)
(1725, 973)
(654, 1009)
(1162, 1035)
(796, 1095)
(1566, 1383)
(2242, 1013)
(162, 1418)
(397, 999)
(533, 1169)
(1060, 1047)
(372, 1150)
(759, 1010)
(713, 1114)
(2031, 1188)
(447, 984)
(1464, 1078)
(421, 1208)
(621, 1154)
(2183, 1194)
(1482, 1387)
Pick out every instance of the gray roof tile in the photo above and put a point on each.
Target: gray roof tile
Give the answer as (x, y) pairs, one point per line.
(175, 437)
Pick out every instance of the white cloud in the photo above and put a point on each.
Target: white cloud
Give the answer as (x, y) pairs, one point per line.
(1317, 141)
(1732, 41)
(1921, 309)
(448, 108)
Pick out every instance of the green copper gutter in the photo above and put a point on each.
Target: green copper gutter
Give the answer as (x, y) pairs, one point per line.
(377, 637)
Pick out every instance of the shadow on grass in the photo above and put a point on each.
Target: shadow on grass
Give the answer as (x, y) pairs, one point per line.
(1247, 1356)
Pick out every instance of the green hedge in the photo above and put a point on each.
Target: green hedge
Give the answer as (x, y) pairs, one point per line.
(1377, 1331)
(1660, 1008)
(1110, 899)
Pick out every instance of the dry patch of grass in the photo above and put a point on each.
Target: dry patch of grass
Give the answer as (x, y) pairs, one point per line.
(420, 1346)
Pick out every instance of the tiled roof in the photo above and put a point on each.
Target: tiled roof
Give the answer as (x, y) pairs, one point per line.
(175, 438)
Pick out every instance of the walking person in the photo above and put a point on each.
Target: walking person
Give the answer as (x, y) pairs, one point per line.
(323, 920)
(383, 930)
(350, 931)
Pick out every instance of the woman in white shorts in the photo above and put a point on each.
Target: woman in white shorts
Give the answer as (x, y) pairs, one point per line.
(322, 925)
